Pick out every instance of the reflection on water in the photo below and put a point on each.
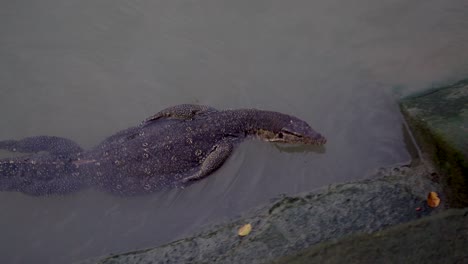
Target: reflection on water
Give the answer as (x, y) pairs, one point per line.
(300, 148)
(84, 70)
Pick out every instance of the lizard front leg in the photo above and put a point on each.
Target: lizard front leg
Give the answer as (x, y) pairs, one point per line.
(213, 160)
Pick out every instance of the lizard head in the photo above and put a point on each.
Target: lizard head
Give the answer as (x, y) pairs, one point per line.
(288, 129)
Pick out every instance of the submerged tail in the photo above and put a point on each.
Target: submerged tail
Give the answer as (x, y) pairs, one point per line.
(51, 144)
(39, 175)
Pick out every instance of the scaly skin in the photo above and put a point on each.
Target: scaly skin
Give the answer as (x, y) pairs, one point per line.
(175, 146)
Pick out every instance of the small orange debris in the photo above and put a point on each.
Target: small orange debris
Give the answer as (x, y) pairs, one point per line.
(433, 199)
(245, 230)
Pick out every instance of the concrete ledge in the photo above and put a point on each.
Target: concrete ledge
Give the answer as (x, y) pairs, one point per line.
(439, 121)
(442, 238)
(294, 223)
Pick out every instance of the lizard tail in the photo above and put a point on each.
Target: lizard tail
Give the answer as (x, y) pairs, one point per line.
(39, 177)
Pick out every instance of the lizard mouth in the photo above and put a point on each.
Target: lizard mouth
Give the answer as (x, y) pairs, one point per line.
(287, 137)
(299, 140)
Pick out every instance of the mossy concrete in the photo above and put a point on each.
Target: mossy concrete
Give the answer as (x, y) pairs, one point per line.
(292, 223)
(442, 238)
(439, 121)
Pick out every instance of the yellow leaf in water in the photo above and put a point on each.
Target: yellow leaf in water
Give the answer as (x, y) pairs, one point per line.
(244, 230)
(433, 199)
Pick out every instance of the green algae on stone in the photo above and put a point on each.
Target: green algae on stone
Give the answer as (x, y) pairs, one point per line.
(441, 238)
(439, 121)
(293, 223)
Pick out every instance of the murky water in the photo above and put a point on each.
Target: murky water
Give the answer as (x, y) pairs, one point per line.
(84, 70)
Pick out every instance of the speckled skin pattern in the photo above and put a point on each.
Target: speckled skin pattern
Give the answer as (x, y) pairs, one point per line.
(170, 149)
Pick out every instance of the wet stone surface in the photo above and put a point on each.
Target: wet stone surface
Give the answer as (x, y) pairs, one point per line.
(293, 223)
(439, 121)
(442, 238)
